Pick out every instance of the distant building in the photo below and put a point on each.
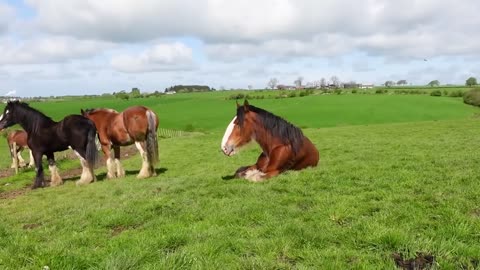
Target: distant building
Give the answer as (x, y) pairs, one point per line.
(366, 86)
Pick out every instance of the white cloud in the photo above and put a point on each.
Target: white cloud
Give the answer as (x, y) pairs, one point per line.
(48, 50)
(161, 57)
(10, 93)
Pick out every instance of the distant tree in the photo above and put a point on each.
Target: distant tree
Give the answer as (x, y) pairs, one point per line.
(335, 81)
(298, 82)
(135, 93)
(471, 81)
(402, 82)
(389, 83)
(272, 83)
(434, 83)
(250, 87)
(323, 82)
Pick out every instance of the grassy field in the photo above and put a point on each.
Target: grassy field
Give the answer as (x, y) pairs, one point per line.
(398, 174)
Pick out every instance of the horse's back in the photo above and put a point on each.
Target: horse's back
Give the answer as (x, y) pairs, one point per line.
(136, 121)
(309, 155)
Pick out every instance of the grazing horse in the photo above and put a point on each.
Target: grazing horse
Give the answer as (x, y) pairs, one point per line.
(284, 147)
(19, 137)
(136, 124)
(46, 136)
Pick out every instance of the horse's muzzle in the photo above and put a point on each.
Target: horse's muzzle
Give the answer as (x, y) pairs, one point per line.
(228, 150)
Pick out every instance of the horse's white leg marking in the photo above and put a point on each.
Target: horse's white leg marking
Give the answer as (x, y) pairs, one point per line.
(21, 161)
(110, 168)
(87, 173)
(120, 170)
(13, 163)
(55, 177)
(144, 172)
(32, 161)
(254, 175)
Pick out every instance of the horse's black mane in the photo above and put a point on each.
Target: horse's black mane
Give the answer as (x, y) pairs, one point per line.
(29, 118)
(279, 127)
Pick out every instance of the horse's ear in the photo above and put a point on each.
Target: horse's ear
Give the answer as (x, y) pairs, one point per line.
(82, 111)
(238, 104)
(245, 105)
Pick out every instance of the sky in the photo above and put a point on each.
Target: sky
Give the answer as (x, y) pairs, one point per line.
(78, 47)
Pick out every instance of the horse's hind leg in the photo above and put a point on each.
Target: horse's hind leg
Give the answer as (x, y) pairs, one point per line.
(21, 161)
(87, 171)
(32, 160)
(56, 180)
(118, 165)
(144, 172)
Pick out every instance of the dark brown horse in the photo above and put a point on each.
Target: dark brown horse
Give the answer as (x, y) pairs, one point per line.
(284, 147)
(19, 137)
(137, 125)
(45, 137)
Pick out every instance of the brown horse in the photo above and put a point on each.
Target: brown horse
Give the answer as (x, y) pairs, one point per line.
(19, 137)
(137, 125)
(284, 145)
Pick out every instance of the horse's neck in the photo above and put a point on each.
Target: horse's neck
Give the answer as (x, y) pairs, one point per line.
(263, 137)
(31, 126)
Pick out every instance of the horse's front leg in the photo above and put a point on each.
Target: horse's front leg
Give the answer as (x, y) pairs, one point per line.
(39, 181)
(262, 162)
(276, 163)
(120, 169)
(56, 180)
(106, 148)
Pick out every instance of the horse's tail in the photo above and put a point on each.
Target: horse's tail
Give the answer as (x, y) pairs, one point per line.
(91, 152)
(152, 142)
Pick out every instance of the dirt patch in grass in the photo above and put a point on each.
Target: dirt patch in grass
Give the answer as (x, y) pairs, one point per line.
(72, 174)
(12, 194)
(31, 226)
(421, 261)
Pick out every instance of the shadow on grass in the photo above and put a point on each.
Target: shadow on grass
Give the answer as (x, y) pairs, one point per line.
(103, 176)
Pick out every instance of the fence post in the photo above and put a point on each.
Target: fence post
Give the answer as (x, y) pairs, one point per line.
(15, 157)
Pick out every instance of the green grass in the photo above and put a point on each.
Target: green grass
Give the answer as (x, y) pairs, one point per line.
(396, 182)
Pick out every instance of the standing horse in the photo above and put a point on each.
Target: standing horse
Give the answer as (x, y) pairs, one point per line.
(46, 136)
(19, 137)
(284, 147)
(137, 125)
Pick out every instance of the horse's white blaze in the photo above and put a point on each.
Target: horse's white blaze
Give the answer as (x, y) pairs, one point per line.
(228, 132)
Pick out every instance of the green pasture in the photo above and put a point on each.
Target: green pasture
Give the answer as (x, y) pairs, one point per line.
(398, 174)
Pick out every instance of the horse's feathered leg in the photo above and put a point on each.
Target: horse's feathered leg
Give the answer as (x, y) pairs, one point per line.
(106, 148)
(32, 160)
(262, 162)
(276, 163)
(56, 180)
(144, 172)
(118, 165)
(87, 171)
(21, 161)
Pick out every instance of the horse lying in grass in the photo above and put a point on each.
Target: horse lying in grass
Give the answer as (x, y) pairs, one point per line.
(284, 147)
(46, 136)
(137, 125)
(19, 137)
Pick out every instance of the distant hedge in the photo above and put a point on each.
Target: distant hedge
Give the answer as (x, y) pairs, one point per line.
(472, 97)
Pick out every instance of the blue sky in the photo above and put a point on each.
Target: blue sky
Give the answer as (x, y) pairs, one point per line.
(70, 47)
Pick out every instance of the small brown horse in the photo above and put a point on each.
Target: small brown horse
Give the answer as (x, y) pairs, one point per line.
(19, 137)
(284, 145)
(137, 125)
